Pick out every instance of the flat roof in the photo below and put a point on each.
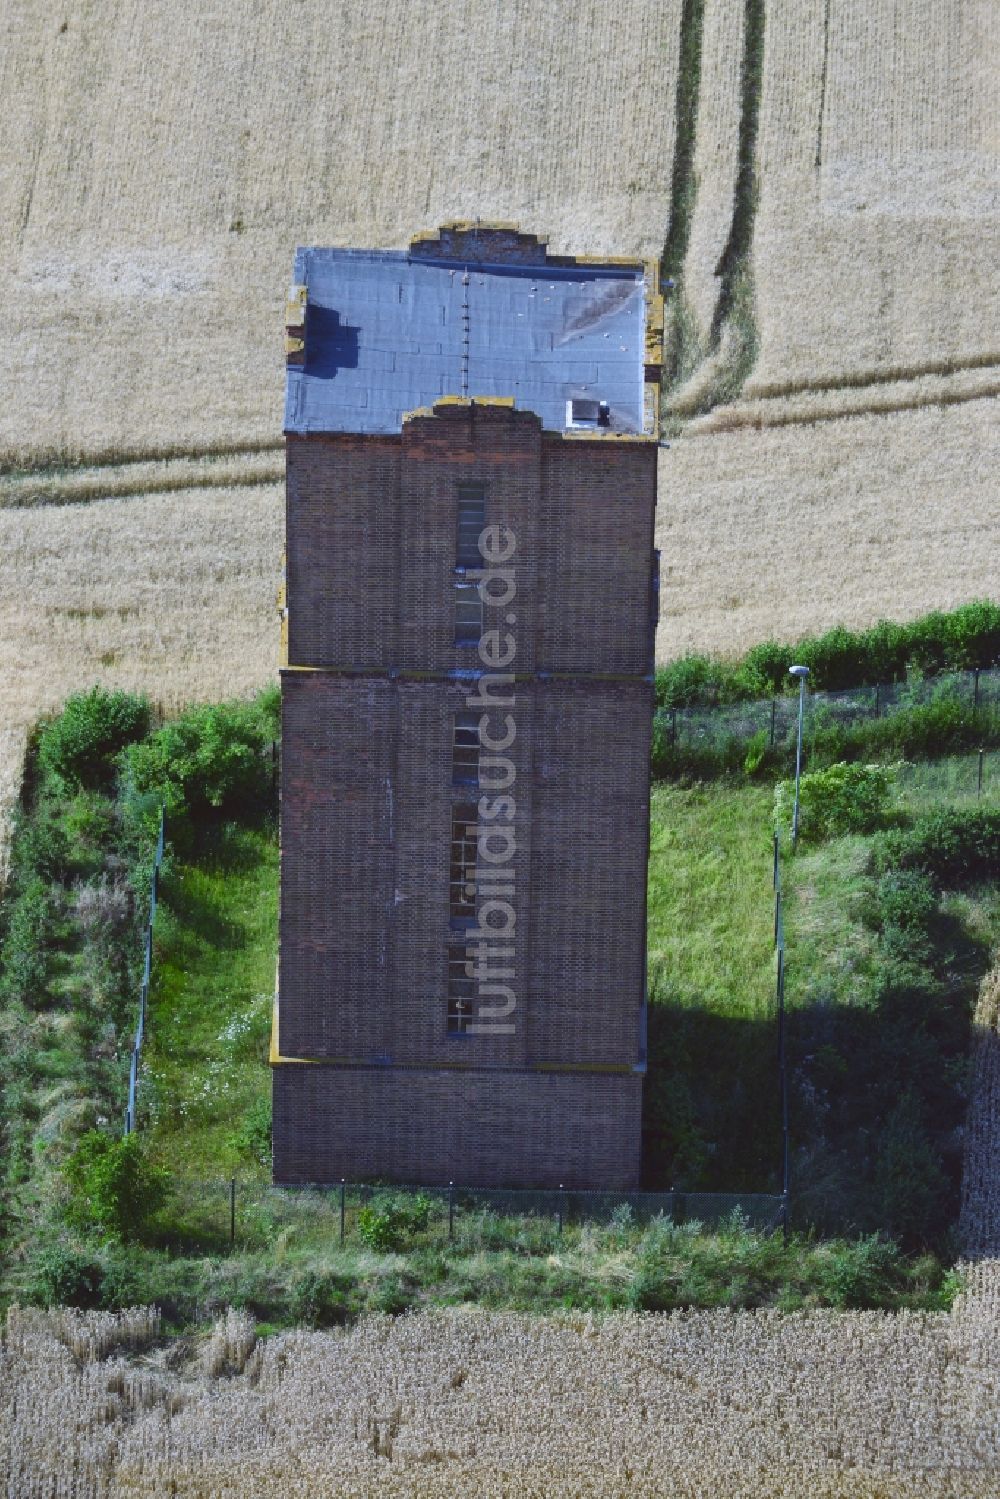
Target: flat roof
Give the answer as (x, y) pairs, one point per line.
(388, 332)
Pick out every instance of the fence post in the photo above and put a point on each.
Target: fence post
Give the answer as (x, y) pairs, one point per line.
(560, 1213)
(677, 1206)
(147, 968)
(783, 1081)
(451, 1210)
(774, 705)
(673, 727)
(979, 783)
(232, 1212)
(878, 700)
(343, 1209)
(975, 688)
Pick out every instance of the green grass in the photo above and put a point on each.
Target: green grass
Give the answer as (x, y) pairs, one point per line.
(710, 918)
(205, 1064)
(710, 1114)
(878, 1052)
(953, 780)
(499, 1263)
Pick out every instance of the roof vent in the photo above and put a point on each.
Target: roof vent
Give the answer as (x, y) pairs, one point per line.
(581, 412)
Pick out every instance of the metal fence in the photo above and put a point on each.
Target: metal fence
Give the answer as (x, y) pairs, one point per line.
(257, 1215)
(147, 962)
(775, 717)
(779, 947)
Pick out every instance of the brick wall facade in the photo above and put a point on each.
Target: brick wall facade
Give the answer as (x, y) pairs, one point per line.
(476, 1129)
(366, 819)
(370, 695)
(370, 529)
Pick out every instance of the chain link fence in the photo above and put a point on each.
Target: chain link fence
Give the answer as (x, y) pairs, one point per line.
(255, 1215)
(775, 718)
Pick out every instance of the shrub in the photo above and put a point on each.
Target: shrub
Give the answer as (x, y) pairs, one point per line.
(78, 748)
(253, 1138)
(26, 949)
(954, 847)
(318, 1298)
(693, 680)
(905, 901)
(866, 1273)
(210, 760)
(62, 1275)
(388, 1223)
(966, 638)
(941, 727)
(756, 753)
(113, 1186)
(842, 799)
(764, 669)
(41, 846)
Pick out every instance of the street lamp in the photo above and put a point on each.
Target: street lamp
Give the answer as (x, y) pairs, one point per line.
(801, 672)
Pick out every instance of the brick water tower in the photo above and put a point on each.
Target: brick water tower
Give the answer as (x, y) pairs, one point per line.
(470, 606)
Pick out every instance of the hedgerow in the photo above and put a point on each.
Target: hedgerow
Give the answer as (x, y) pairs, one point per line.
(962, 640)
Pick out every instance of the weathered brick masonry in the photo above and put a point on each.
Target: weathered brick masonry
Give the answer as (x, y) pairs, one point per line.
(370, 528)
(370, 1079)
(388, 1123)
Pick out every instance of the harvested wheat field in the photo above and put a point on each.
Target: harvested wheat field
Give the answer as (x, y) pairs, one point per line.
(701, 1405)
(173, 595)
(765, 533)
(878, 224)
(162, 162)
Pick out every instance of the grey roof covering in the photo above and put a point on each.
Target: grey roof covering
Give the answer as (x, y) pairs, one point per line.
(387, 333)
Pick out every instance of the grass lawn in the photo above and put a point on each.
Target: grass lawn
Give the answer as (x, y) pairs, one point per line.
(205, 1064)
(711, 986)
(710, 907)
(711, 1119)
(711, 1109)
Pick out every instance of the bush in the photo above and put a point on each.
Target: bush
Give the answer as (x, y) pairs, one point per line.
(210, 760)
(694, 680)
(388, 1223)
(862, 1274)
(113, 1187)
(756, 753)
(906, 900)
(842, 799)
(253, 1138)
(61, 1275)
(78, 749)
(942, 727)
(318, 1298)
(26, 949)
(954, 847)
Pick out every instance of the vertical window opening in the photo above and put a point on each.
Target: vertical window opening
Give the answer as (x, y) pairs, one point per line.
(461, 990)
(462, 875)
(468, 614)
(471, 520)
(465, 750)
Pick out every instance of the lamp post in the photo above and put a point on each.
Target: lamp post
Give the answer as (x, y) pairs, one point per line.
(801, 672)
